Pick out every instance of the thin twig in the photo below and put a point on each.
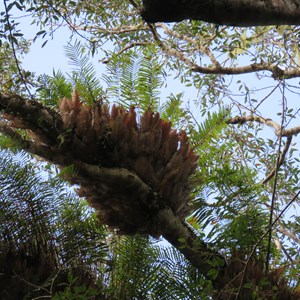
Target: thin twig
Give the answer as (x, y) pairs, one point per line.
(288, 234)
(156, 37)
(109, 31)
(31, 284)
(67, 21)
(280, 161)
(266, 97)
(132, 45)
(217, 68)
(135, 5)
(262, 237)
(203, 49)
(232, 280)
(279, 156)
(170, 51)
(14, 50)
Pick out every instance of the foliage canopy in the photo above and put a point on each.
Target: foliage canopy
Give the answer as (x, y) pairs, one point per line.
(225, 87)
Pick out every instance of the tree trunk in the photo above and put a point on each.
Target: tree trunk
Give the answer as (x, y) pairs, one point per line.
(229, 12)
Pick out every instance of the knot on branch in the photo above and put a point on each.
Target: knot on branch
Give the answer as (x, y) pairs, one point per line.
(147, 147)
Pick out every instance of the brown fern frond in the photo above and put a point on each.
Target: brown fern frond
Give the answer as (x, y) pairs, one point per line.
(159, 155)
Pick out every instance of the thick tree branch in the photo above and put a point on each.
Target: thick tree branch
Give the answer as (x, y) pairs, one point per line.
(269, 122)
(121, 197)
(276, 71)
(188, 244)
(230, 12)
(38, 117)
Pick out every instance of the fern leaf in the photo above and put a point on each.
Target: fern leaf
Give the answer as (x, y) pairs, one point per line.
(211, 128)
(84, 76)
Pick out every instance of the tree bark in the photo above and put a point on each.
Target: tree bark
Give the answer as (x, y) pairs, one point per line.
(177, 233)
(224, 12)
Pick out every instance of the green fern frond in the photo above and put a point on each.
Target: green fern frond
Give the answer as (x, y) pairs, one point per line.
(67, 172)
(134, 80)
(182, 280)
(133, 266)
(26, 204)
(53, 88)
(149, 81)
(172, 109)
(210, 129)
(35, 212)
(7, 142)
(83, 76)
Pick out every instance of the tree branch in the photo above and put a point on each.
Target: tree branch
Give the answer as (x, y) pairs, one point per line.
(230, 12)
(216, 67)
(121, 197)
(185, 240)
(269, 122)
(280, 160)
(132, 45)
(38, 117)
(289, 234)
(277, 73)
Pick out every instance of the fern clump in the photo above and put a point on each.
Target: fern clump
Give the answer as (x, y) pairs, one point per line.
(160, 156)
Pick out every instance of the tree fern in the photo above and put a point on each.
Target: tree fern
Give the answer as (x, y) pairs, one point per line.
(182, 280)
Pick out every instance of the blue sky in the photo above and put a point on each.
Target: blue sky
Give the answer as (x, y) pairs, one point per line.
(52, 55)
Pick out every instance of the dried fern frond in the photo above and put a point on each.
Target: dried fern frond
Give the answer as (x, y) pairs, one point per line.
(160, 156)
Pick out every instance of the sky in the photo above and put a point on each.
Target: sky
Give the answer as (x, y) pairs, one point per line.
(52, 55)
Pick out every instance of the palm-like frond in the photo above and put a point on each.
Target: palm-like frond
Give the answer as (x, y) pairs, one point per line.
(178, 278)
(53, 88)
(84, 76)
(26, 205)
(45, 232)
(149, 81)
(210, 129)
(140, 269)
(133, 271)
(135, 80)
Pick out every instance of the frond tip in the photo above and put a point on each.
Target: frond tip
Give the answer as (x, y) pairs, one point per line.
(159, 155)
